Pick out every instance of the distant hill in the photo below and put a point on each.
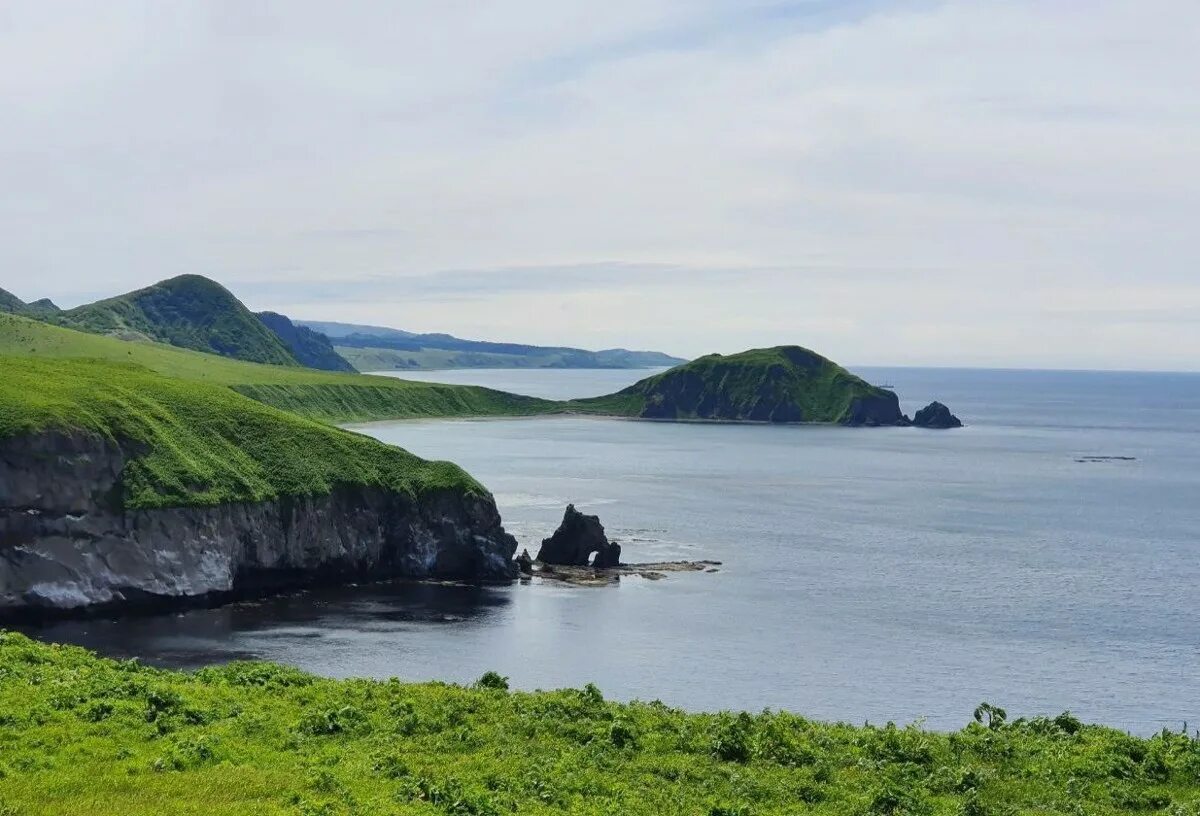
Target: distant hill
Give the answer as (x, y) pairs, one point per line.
(189, 311)
(310, 348)
(377, 348)
(11, 304)
(782, 384)
(193, 312)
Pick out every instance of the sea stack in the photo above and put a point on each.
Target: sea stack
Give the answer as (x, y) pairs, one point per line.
(576, 539)
(935, 415)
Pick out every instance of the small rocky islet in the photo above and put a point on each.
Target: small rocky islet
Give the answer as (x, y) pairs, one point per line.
(579, 552)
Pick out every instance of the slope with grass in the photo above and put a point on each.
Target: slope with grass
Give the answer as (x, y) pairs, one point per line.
(121, 486)
(328, 396)
(782, 384)
(39, 309)
(189, 311)
(88, 736)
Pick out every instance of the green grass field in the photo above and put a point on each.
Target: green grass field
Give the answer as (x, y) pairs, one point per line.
(327, 396)
(199, 444)
(85, 736)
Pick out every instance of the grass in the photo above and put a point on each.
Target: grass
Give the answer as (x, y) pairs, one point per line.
(85, 736)
(194, 443)
(327, 396)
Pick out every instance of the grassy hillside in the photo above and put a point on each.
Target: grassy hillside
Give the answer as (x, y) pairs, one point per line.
(781, 384)
(328, 396)
(86, 736)
(203, 444)
(10, 303)
(189, 311)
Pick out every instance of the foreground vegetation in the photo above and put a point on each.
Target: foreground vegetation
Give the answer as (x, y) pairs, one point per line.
(85, 735)
(327, 396)
(199, 444)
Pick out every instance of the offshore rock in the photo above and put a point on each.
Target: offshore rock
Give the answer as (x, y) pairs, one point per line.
(68, 546)
(936, 415)
(524, 563)
(576, 539)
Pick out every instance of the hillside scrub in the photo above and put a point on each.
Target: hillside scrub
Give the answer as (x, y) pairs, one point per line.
(85, 735)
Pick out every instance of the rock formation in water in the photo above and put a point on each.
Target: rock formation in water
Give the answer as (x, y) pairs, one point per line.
(68, 544)
(576, 539)
(936, 415)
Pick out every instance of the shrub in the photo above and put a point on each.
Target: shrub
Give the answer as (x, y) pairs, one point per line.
(331, 721)
(492, 680)
(732, 742)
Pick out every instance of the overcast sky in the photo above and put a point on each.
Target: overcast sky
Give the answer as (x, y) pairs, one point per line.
(993, 182)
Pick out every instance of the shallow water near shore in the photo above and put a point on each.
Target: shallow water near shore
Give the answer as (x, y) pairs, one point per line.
(868, 574)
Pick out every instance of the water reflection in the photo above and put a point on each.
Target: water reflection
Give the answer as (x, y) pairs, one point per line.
(204, 636)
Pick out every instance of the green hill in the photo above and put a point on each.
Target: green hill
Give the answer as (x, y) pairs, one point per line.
(87, 736)
(327, 396)
(189, 311)
(11, 304)
(310, 348)
(782, 384)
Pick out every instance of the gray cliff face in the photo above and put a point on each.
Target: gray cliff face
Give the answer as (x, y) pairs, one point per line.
(67, 544)
(871, 411)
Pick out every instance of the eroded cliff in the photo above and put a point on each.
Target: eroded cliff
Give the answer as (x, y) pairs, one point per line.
(69, 543)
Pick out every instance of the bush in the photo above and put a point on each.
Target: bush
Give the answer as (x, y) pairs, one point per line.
(732, 742)
(331, 721)
(492, 680)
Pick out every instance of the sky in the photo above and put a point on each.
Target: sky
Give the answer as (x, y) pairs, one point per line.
(1010, 183)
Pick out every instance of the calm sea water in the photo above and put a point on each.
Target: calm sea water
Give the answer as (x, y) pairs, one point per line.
(868, 574)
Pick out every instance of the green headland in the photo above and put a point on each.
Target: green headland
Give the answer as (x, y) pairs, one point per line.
(197, 443)
(780, 384)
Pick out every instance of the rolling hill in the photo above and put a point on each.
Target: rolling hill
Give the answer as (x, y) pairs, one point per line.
(327, 396)
(11, 304)
(189, 311)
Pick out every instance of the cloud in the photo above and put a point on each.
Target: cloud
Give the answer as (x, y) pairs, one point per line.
(918, 182)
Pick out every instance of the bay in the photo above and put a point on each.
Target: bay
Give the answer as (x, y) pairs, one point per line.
(867, 574)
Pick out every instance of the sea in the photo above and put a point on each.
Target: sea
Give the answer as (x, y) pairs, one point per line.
(1046, 557)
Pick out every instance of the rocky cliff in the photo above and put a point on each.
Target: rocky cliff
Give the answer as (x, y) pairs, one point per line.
(67, 542)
